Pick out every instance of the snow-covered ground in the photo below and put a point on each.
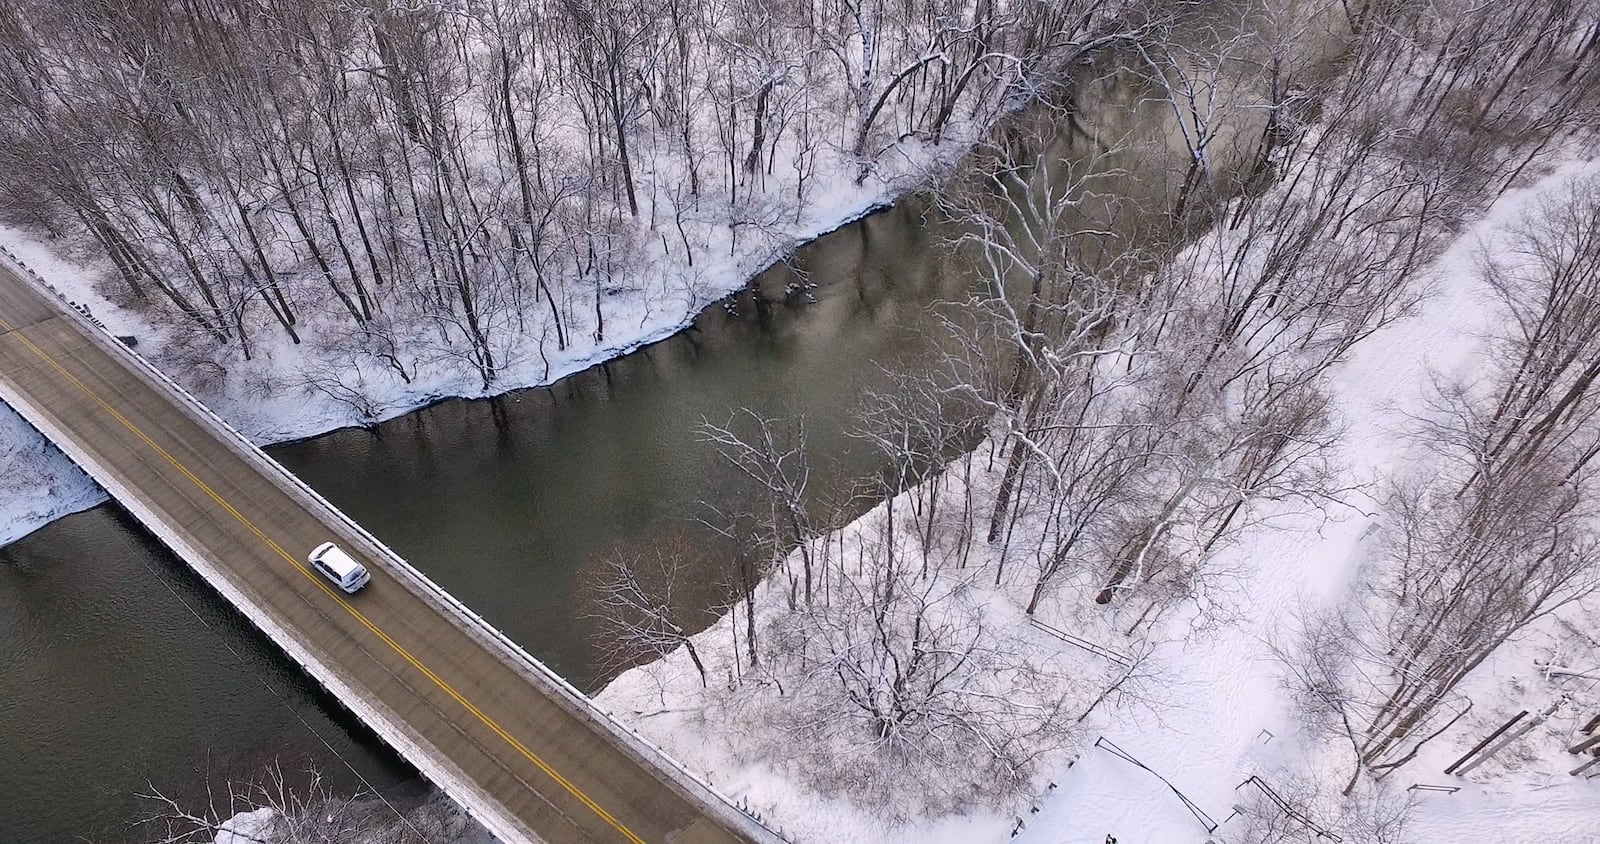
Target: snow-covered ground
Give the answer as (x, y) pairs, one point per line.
(38, 484)
(364, 820)
(1219, 714)
(1212, 739)
(245, 827)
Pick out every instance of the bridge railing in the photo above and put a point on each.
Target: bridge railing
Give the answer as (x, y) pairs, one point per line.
(577, 702)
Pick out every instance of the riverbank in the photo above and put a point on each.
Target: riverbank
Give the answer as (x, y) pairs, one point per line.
(1124, 639)
(258, 397)
(1002, 617)
(38, 484)
(1202, 702)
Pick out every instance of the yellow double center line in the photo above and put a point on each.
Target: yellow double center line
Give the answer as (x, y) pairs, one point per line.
(357, 614)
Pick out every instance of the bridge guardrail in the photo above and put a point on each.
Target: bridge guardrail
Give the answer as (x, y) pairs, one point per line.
(576, 699)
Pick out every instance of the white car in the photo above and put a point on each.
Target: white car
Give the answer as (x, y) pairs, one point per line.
(339, 567)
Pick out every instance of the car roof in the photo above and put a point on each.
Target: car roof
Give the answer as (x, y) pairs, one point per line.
(336, 559)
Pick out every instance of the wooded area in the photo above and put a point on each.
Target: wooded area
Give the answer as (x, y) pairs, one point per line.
(1179, 230)
(1177, 256)
(464, 181)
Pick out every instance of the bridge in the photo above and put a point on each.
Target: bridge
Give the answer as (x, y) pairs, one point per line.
(527, 755)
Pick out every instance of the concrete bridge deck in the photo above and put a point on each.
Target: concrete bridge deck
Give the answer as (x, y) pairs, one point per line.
(524, 753)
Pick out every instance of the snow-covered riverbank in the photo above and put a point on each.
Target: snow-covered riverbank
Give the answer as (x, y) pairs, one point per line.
(38, 484)
(1209, 710)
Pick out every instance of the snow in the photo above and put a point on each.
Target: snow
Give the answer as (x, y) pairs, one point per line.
(245, 827)
(1225, 716)
(1213, 741)
(661, 298)
(38, 484)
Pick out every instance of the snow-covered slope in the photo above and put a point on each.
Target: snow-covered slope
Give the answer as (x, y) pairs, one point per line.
(1219, 714)
(37, 484)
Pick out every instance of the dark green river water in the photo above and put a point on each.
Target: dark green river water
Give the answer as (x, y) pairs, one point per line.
(121, 671)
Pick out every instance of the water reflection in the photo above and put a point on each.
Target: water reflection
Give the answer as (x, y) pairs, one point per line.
(507, 502)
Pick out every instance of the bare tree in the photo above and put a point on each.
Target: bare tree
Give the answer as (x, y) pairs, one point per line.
(1290, 807)
(291, 811)
(905, 696)
(917, 423)
(772, 456)
(254, 171)
(1494, 529)
(641, 608)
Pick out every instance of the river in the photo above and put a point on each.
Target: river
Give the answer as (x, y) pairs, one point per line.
(120, 670)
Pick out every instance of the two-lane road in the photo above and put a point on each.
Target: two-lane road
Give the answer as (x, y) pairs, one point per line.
(528, 763)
